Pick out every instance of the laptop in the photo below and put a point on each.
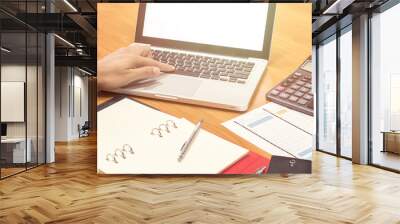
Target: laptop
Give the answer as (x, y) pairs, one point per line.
(220, 51)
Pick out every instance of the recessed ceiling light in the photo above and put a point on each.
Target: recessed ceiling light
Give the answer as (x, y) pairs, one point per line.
(84, 71)
(337, 7)
(70, 5)
(5, 50)
(65, 41)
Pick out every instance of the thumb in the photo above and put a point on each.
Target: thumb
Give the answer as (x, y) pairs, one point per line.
(143, 73)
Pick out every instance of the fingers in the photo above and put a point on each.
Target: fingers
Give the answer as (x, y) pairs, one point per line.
(142, 61)
(115, 81)
(142, 73)
(139, 49)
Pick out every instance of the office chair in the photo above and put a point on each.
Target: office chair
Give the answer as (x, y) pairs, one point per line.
(84, 130)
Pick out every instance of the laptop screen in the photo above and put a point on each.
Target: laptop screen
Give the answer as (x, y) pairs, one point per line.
(240, 26)
(230, 25)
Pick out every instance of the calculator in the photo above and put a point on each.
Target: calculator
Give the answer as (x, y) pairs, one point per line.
(295, 92)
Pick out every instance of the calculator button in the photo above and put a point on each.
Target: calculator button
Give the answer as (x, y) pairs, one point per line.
(290, 91)
(299, 94)
(308, 97)
(302, 101)
(297, 74)
(300, 83)
(304, 89)
(284, 95)
(280, 88)
(296, 87)
(275, 92)
(293, 98)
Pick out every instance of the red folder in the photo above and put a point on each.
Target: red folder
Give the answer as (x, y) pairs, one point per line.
(252, 163)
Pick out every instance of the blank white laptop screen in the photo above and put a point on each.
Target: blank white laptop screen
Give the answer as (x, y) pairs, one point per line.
(233, 25)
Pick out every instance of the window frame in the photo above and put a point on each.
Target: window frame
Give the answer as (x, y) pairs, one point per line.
(337, 35)
(381, 9)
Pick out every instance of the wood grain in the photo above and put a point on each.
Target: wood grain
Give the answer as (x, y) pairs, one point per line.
(291, 45)
(70, 191)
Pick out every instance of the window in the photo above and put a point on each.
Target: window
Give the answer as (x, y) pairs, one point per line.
(346, 75)
(385, 89)
(334, 71)
(327, 95)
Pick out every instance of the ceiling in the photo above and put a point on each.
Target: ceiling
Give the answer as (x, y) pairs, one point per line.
(74, 22)
(329, 16)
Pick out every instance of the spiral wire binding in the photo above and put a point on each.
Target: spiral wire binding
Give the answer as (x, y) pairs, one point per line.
(120, 153)
(164, 128)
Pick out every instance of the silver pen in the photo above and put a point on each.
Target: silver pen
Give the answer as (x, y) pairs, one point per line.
(186, 145)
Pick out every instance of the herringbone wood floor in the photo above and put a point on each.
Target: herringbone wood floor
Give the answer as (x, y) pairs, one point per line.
(70, 191)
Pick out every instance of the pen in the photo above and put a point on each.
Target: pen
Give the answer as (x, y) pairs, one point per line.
(185, 146)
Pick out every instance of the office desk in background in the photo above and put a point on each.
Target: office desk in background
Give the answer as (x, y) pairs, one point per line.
(13, 150)
(291, 45)
(391, 141)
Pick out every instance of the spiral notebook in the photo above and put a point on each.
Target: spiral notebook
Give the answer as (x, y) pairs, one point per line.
(136, 139)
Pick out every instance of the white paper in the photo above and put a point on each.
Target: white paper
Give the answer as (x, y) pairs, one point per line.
(276, 130)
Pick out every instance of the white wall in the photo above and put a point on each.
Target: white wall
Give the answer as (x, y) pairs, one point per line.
(81, 83)
(33, 127)
(61, 103)
(71, 93)
(16, 73)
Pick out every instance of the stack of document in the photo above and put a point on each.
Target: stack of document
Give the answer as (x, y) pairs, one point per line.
(277, 130)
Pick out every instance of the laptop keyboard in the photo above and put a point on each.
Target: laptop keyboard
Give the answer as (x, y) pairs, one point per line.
(206, 67)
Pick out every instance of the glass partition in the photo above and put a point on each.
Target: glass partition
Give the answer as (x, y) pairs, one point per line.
(14, 153)
(327, 95)
(23, 90)
(346, 92)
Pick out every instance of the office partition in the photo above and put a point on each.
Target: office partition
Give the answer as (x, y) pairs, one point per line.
(15, 147)
(23, 89)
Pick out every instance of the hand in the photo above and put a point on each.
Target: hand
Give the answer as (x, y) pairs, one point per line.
(128, 65)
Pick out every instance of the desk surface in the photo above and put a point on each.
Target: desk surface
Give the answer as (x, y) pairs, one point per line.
(13, 140)
(291, 45)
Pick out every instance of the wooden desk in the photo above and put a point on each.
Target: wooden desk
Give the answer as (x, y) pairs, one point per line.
(391, 141)
(291, 45)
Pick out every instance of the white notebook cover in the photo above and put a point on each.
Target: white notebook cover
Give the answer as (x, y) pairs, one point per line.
(129, 122)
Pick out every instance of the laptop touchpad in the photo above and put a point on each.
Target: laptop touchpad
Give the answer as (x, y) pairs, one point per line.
(172, 85)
